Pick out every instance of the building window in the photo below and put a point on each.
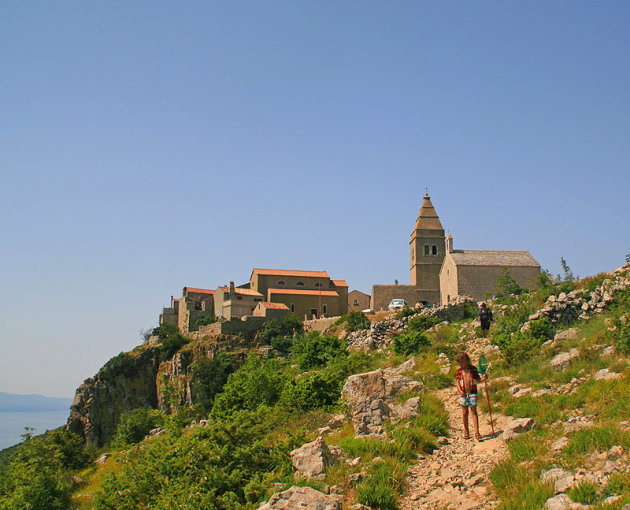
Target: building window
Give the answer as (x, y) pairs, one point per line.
(355, 301)
(281, 283)
(434, 249)
(300, 284)
(324, 309)
(318, 284)
(412, 252)
(292, 307)
(426, 249)
(239, 297)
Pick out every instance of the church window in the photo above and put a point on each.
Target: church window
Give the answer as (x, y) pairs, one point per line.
(426, 249)
(281, 283)
(318, 284)
(292, 307)
(434, 249)
(324, 309)
(355, 301)
(300, 284)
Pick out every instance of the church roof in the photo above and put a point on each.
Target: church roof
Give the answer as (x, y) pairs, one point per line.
(428, 218)
(505, 258)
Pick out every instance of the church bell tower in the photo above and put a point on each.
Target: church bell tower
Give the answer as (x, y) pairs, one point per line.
(427, 249)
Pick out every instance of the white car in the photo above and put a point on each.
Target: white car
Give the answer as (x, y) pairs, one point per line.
(397, 304)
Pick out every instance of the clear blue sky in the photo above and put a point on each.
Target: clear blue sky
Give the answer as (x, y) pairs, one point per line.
(147, 145)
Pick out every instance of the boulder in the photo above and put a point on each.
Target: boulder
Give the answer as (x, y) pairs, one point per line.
(301, 498)
(560, 502)
(559, 445)
(370, 396)
(606, 375)
(564, 359)
(517, 426)
(312, 459)
(553, 475)
(567, 334)
(408, 410)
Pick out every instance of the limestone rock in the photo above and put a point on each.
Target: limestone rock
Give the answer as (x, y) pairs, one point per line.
(564, 484)
(567, 334)
(553, 475)
(560, 502)
(312, 459)
(541, 393)
(517, 426)
(102, 459)
(369, 396)
(606, 375)
(302, 498)
(558, 445)
(562, 360)
(410, 409)
(337, 421)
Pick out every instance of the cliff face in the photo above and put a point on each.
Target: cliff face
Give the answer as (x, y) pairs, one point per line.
(115, 389)
(139, 379)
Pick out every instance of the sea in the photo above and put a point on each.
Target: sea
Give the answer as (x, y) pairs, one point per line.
(12, 424)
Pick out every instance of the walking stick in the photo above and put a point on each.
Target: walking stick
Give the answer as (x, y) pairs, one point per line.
(483, 367)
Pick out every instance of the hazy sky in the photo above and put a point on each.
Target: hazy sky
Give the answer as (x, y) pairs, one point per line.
(148, 145)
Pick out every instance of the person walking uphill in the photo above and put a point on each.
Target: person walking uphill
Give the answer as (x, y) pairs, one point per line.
(485, 316)
(465, 379)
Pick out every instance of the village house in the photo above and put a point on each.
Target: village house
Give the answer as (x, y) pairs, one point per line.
(235, 302)
(306, 293)
(358, 301)
(184, 312)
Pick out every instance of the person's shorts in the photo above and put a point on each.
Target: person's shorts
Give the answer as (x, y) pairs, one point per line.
(469, 400)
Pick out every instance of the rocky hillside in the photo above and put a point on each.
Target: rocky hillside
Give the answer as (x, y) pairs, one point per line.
(365, 415)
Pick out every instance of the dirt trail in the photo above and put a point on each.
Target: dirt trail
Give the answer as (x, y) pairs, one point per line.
(455, 476)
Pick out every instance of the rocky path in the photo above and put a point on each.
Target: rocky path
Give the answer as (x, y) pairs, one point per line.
(455, 477)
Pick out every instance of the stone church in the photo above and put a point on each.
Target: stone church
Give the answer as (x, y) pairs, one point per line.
(439, 273)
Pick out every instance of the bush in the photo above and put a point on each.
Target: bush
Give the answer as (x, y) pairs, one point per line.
(257, 383)
(38, 475)
(204, 321)
(311, 392)
(541, 329)
(313, 350)
(279, 333)
(422, 323)
(165, 330)
(405, 312)
(134, 425)
(354, 321)
(209, 375)
(171, 344)
(520, 347)
(123, 364)
(377, 491)
(410, 343)
(506, 285)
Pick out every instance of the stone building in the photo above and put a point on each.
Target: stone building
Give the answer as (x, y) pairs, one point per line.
(439, 274)
(474, 273)
(358, 301)
(306, 293)
(271, 310)
(235, 302)
(184, 312)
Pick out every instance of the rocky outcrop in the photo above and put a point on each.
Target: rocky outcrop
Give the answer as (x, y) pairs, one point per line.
(564, 359)
(301, 498)
(312, 459)
(516, 427)
(126, 382)
(371, 397)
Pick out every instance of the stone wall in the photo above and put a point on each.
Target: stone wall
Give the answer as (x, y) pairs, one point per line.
(383, 294)
(320, 324)
(246, 327)
(477, 281)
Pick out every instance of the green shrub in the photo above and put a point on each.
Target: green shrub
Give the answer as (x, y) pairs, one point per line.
(507, 285)
(204, 321)
(405, 312)
(583, 492)
(123, 364)
(410, 343)
(38, 475)
(208, 376)
(257, 383)
(422, 323)
(228, 465)
(354, 321)
(541, 329)
(311, 392)
(134, 425)
(520, 348)
(313, 350)
(165, 330)
(377, 490)
(279, 332)
(171, 344)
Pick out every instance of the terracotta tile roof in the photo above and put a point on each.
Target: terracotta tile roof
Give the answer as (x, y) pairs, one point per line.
(288, 272)
(505, 258)
(323, 293)
(197, 291)
(244, 292)
(340, 283)
(274, 306)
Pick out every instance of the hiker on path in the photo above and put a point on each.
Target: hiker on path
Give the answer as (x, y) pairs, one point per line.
(485, 316)
(465, 379)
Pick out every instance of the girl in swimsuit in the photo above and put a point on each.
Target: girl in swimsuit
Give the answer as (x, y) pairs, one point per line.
(465, 379)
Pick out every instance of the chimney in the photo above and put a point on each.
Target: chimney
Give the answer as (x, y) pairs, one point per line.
(232, 291)
(449, 243)
(395, 282)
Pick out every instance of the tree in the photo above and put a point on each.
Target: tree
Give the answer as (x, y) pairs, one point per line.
(567, 275)
(506, 285)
